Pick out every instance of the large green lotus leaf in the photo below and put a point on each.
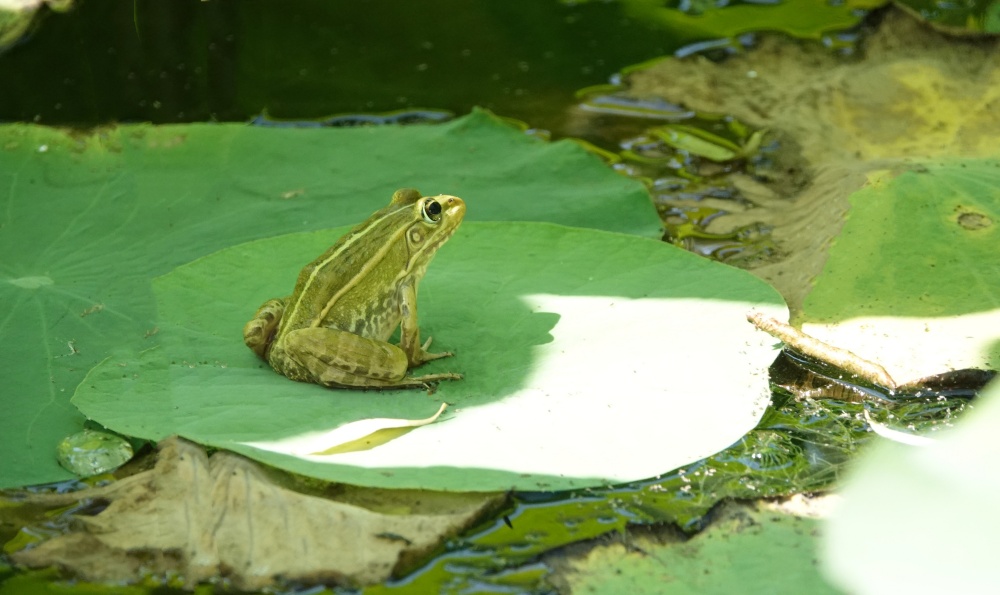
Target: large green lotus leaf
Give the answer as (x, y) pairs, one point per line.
(913, 280)
(589, 357)
(86, 221)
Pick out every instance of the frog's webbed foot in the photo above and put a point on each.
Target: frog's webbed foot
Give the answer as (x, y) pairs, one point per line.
(259, 332)
(425, 356)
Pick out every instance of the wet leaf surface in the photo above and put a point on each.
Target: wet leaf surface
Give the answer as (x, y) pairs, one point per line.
(738, 553)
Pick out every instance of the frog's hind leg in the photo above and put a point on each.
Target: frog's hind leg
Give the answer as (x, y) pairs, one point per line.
(258, 333)
(338, 358)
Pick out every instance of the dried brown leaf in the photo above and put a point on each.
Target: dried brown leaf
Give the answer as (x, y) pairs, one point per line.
(203, 517)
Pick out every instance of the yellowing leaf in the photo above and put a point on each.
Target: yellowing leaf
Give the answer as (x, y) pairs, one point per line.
(350, 437)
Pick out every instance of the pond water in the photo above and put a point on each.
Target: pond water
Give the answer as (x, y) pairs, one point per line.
(190, 61)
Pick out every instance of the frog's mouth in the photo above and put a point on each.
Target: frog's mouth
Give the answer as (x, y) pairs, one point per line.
(454, 208)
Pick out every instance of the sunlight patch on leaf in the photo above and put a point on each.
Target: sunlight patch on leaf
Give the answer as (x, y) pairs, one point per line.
(913, 348)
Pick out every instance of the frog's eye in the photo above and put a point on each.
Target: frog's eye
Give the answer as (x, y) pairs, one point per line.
(431, 210)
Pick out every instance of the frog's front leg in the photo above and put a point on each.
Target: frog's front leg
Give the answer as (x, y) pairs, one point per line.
(259, 332)
(337, 358)
(409, 331)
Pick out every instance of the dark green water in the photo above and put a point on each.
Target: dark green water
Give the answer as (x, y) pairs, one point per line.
(188, 60)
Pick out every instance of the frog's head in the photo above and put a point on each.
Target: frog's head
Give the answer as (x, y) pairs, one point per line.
(429, 221)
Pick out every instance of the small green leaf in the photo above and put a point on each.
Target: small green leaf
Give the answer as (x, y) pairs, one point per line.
(809, 19)
(698, 142)
(746, 549)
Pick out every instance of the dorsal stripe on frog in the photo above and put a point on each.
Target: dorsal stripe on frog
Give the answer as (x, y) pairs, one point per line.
(353, 237)
(370, 264)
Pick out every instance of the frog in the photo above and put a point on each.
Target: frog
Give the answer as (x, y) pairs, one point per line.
(334, 329)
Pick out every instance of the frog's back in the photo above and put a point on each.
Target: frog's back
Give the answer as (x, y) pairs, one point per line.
(353, 285)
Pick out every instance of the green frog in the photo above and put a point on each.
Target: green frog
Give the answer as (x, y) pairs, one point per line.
(335, 327)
